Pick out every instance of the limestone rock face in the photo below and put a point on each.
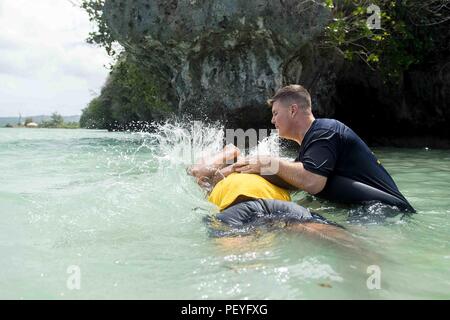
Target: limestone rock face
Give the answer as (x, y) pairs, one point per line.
(225, 58)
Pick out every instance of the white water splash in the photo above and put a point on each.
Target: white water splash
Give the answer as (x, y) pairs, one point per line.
(269, 146)
(183, 143)
(186, 142)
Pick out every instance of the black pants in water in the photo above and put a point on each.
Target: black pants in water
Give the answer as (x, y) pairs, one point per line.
(261, 211)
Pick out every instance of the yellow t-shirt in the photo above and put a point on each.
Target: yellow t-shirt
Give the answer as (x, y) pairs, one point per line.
(243, 184)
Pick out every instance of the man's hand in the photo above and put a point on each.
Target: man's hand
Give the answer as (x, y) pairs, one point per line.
(265, 165)
(291, 172)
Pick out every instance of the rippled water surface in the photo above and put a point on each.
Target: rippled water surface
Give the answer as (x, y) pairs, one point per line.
(119, 210)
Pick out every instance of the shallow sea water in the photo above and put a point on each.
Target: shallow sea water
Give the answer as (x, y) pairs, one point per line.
(119, 210)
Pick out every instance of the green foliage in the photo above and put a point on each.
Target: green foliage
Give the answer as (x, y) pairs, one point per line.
(102, 35)
(71, 125)
(408, 34)
(129, 95)
(57, 121)
(141, 89)
(97, 115)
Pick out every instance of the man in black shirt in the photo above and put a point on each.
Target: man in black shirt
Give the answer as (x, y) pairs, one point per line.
(333, 162)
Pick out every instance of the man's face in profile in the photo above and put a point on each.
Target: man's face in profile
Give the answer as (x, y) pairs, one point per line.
(280, 118)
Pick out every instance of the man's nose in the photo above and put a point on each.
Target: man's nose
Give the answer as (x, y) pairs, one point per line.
(273, 120)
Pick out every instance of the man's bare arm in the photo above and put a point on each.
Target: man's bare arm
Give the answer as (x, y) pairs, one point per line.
(295, 174)
(292, 172)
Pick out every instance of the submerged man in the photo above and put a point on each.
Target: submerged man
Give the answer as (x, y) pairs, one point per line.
(249, 199)
(333, 162)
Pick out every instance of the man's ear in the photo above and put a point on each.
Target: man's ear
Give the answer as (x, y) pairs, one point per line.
(294, 110)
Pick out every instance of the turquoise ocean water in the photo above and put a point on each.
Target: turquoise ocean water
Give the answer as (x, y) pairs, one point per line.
(96, 215)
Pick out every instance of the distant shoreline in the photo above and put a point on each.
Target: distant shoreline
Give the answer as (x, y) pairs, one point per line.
(14, 121)
(24, 127)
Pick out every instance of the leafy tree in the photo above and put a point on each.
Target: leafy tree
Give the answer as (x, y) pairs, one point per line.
(96, 115)
(55, 121)
(71, 125)
(129, 95)
(410, 32)
(102, 35)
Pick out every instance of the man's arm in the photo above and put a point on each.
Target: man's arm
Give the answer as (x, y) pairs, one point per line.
(295, 174)
(292, 172)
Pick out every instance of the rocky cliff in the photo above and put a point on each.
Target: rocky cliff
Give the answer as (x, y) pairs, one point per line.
(223, 59)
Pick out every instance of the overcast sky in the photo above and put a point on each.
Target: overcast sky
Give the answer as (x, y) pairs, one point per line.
(45, 63)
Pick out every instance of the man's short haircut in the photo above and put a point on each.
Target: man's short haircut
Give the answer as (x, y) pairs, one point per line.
(291, 94)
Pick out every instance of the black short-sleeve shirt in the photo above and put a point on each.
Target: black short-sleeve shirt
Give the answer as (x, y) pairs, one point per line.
(330, 148)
